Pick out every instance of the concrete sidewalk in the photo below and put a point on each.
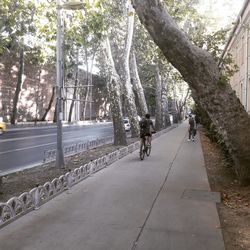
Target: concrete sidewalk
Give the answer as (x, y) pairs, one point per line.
(162, 202)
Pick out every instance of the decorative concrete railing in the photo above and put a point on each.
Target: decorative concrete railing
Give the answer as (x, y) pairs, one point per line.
(50, 155)
(18, 206)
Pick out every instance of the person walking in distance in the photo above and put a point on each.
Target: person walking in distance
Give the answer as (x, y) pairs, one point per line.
(192, 128)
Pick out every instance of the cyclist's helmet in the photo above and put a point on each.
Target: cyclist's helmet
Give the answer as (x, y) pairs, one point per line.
(147, 116)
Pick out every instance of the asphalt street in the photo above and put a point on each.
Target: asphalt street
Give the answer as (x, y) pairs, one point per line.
(24, 148)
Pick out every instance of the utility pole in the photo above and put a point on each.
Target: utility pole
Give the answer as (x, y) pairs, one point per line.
(59, 81)
(70, 5)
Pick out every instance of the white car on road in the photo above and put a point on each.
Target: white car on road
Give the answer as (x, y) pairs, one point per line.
(2, 126)
(127, 125)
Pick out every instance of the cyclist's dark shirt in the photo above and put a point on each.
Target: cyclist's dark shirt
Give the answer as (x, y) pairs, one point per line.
(145, 125)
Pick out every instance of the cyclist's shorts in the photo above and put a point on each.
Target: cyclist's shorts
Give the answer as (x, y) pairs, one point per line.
(142, 135)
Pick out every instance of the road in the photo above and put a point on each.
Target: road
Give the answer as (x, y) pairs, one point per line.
(24, 148)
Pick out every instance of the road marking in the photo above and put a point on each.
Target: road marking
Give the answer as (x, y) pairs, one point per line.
(31, 137)
(20, 149)
(26, 138)
(47, 144)
(39, 136)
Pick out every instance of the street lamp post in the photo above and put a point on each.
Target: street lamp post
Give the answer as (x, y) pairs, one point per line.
(70, 5)
(59, 82)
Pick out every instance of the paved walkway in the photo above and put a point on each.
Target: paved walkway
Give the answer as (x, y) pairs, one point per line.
(155, 204)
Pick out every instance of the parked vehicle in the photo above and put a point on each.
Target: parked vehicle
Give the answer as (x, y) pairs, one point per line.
(2, 126)
(127, 125)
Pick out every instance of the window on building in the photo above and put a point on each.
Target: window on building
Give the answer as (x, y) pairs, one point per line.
(242, 52)
(248, 96)
(237, 55)
(248, 42)
(241, 92)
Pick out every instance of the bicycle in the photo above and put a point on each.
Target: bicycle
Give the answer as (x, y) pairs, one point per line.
(145, 148)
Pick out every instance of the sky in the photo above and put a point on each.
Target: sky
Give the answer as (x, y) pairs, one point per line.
(225, 11)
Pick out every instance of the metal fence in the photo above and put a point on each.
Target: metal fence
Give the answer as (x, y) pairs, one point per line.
(18, 206)
(50, 155)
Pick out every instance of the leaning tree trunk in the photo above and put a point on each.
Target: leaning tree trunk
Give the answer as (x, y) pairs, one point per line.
(137, 84)
(158, 99)
(114, 96)
(55, 116)
(128, 91)
(72, 104)
(202, 74)
(18, 86)
(50, 105)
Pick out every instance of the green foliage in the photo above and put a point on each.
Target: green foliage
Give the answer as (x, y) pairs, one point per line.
(16, 17)
(180, 10)
(223, 80)
(228, 69)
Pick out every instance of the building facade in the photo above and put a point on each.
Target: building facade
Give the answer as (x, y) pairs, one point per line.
(38, 91)
(238, 46)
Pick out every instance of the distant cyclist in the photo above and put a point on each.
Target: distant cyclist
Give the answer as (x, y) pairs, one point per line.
(146, 129)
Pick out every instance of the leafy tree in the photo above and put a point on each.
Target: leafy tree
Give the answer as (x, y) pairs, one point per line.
(16, 23)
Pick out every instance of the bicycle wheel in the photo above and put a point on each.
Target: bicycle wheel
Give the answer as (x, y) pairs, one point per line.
(148, 150)
(142, 149)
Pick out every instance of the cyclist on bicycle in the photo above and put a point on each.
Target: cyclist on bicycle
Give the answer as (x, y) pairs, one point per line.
(146, 129)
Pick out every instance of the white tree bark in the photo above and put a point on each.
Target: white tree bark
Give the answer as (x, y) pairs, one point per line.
(158, 99)
(165, 112)
(114, 96)
(137, 84)
(128, 91)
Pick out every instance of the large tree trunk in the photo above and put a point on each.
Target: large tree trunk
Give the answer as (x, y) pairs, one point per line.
(137, 84)
(158, 99)
(202, 74)
(128, 91)
(72, 104)
(114, 97)
(18, 86)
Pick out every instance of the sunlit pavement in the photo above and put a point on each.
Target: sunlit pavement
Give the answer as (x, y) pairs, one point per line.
(163, 202)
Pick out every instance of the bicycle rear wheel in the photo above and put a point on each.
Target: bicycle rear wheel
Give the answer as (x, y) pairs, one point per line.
(148, 150)
(142, 153)
(142, 149)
